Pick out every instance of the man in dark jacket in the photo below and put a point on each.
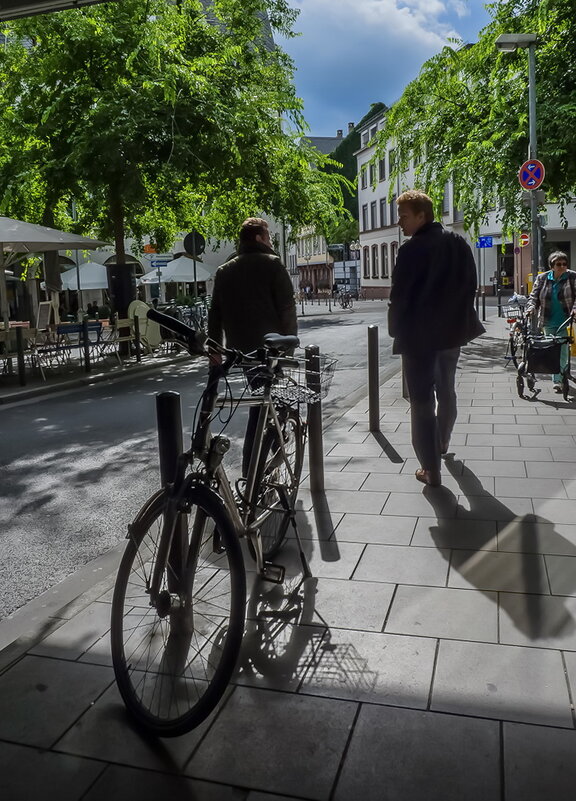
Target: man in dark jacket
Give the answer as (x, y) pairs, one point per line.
(253, 296)
(431, 315)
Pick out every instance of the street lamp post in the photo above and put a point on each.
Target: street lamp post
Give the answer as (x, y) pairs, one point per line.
(509, 42)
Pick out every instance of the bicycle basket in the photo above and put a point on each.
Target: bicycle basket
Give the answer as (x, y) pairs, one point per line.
(543, 356)
(512, 313)
(298, 385)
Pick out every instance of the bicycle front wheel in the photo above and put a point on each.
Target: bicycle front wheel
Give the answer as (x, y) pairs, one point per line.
(173, 657)
(280, 467)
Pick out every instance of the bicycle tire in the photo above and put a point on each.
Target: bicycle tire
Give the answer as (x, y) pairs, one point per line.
(272, 471)
(516, 342)
(173, 664)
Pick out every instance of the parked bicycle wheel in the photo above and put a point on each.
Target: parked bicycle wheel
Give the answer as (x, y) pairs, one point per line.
(516, 343)
(273, 474)
(173, 658)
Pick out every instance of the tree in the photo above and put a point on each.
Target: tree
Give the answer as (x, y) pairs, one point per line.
(465, 118)
(156, 117)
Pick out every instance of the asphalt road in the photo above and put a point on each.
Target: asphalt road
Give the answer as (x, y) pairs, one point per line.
(77, 466)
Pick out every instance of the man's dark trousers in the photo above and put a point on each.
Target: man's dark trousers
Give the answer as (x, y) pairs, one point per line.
(430, 377)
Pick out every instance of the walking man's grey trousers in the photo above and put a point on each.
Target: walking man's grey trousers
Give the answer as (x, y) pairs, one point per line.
(430, 378)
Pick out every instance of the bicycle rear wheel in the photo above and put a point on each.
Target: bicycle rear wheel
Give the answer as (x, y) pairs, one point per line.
(516, 343)
(173, 659)
(274, 473)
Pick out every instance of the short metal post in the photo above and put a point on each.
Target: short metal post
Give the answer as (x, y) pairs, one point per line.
(373, 379)
(137, 338)
(315, 437)
(499, 296)
(86, 344)
(477, 301)
(169, 419)
(483, 306)
(170, 446)
(20, 356)
(302, 301)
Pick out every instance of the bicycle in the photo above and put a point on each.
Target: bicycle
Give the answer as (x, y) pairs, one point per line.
(178, 608)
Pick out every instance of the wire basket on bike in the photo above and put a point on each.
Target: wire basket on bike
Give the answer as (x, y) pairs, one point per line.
(300, 384)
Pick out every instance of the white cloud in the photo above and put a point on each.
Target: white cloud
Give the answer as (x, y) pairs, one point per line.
(354, 52)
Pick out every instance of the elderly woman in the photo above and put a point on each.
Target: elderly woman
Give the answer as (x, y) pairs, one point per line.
(554, 298)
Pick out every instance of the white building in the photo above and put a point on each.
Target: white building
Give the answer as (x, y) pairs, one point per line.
(506, 264)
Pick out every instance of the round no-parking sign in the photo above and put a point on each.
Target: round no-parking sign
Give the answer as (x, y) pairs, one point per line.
(531, 174)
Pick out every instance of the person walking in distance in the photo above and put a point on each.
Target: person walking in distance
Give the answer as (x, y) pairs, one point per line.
(431, 315)
(252, 296)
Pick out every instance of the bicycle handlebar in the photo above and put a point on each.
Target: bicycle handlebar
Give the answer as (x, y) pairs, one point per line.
(196, 342)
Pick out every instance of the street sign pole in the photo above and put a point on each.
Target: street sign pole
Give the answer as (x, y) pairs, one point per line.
(535, 260)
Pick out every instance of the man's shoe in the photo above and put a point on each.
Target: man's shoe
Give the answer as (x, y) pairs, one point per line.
(428, 477)
(444, 448)
(558, 386)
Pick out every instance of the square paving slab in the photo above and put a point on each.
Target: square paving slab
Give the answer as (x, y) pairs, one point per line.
(276, 742)
(526, 685)
(407, 755)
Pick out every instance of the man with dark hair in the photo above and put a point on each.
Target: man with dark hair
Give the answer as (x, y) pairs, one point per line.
(253, 296)
(431, 315)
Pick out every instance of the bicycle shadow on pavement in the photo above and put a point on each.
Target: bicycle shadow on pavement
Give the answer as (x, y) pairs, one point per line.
(509, 566)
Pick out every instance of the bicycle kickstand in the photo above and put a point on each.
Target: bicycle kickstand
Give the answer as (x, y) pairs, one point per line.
(306, 572)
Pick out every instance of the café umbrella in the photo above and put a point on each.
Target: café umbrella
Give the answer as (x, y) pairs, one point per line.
(19, 237)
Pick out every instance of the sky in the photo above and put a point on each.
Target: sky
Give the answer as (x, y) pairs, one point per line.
(352, 53)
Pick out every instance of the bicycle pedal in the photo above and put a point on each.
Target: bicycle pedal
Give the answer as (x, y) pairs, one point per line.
(273, 573)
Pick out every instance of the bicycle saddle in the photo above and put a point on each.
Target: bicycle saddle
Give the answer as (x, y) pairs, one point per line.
(279, 342)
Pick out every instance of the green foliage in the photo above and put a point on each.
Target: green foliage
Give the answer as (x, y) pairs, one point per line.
(465, 118)
(156, 118)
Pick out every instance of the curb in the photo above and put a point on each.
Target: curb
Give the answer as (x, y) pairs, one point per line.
(87, 380)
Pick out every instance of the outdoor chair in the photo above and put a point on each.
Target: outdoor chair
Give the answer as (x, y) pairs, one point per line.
(9, 349)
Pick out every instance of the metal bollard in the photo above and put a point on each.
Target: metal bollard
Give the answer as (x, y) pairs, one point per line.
(483, 306)
(499, 296)
(137, 339)
(315, 436)
(20, 357)
(477, 301)
(373, 379)
(170, 446)
(86, 344)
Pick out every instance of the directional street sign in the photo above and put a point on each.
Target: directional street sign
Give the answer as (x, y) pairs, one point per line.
(524, 240)
(484, 242)
(531, 174)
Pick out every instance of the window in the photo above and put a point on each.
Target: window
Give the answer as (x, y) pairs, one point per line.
(446, 199)
(391, 157)
(372, 174)
(393, 211)
(363, 176)
(458, 215)
(373, 218)
(382, 169)
(385, 270)
(383, 212)
(373, 131)
(366, 261)
(374, 261)
(394, 253)
(365, 217)
(365, 138)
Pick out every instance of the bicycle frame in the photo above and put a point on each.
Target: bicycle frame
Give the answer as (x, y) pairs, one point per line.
(209, 451)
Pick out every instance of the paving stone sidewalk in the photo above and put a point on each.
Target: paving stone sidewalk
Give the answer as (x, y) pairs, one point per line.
(435, 655)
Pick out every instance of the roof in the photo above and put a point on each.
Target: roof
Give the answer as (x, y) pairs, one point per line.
(325, 144)
(11, 9)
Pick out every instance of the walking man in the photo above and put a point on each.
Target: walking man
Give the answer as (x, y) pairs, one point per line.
(431, 315)
(253, 296)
